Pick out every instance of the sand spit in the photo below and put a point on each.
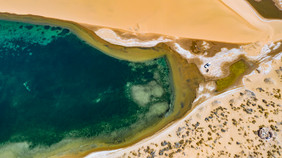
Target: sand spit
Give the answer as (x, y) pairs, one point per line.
(110, 36)
(243, 122)
(208, 56)
(174, 18)
(244, 9)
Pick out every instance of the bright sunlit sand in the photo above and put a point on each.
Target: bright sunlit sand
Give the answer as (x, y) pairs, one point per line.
(226, 20)
(223, 65)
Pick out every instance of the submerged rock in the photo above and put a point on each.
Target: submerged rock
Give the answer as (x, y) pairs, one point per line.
(144, 94)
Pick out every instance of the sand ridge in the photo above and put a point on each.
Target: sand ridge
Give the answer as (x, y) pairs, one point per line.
(173, 18)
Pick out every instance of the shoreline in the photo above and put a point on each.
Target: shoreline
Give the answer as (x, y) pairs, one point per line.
(161, 133)
(184, 92)
(240, 24)
(247, 92)
(87, 33)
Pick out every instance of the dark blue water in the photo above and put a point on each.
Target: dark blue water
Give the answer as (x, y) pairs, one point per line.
(53, 86)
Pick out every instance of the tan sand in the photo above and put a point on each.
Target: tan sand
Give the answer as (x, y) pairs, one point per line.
(245, 10)
(252, 52)
(225, 21)
(278, 4)
(185, 76)
(225, 125)
(197, 19)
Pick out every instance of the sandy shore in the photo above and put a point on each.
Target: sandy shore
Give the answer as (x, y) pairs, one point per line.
(189, 19)
(225, 125)
(216, 58)
(186, 78)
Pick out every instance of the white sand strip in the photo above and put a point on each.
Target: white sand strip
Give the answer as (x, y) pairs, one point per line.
(110, 36)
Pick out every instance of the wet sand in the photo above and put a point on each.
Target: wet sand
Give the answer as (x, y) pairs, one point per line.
(185, 77)
(179, 18)
(249, 33)
(226, 125)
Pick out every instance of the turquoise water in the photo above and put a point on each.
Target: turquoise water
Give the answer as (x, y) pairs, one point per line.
(55, 86)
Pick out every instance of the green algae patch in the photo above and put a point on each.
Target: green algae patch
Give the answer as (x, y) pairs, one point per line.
(236, 71)
(266, 8)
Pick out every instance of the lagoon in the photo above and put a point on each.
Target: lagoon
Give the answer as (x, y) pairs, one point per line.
(54, 86)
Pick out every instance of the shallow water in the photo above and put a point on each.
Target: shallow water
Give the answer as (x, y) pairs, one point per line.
(54, 86)
(267, 9)
(236, 70)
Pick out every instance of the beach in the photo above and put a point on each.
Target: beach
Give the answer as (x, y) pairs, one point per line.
(184, 86)
(225, 125)
(201, 40)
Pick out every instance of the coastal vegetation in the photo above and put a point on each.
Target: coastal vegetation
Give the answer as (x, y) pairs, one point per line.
(235, 71)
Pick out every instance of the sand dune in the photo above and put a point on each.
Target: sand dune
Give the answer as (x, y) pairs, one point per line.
(230, 21)
(197, 19)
